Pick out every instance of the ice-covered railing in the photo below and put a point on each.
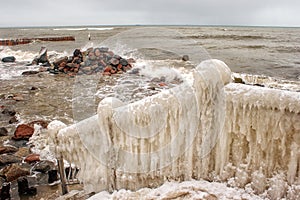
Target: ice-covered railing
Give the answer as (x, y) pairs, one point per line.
(165, 136)
(177, 135)
(261, 142)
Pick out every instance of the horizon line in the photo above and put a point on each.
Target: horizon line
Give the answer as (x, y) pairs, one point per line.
(124, 25)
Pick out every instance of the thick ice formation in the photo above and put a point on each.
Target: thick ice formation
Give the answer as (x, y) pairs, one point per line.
(180, 135)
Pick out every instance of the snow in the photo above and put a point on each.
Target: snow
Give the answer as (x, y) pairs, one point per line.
(184, 190)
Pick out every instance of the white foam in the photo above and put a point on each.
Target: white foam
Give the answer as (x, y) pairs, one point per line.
(84, 29)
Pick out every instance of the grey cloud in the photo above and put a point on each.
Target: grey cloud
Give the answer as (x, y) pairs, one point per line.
(75, 12)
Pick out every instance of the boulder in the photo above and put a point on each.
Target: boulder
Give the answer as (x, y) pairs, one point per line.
(9, 112)
(26, 73)
(14, 171)
(13, 120)
(42, 57)
(8, 149)
(23, 187)
(185, 58)
(52, 176)
(3, 131)
(5, 191)
(23, 131)
(43, 166)
(123, 62)
(23, 152)
(8, 159)
(32, 158)
(9, 59)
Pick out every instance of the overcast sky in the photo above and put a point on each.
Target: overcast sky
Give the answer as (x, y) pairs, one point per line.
(131, 12)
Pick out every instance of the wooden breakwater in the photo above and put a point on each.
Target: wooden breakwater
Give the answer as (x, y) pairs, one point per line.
(12, 42)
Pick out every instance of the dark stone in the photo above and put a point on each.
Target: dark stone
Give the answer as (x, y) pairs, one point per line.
(238, 80)
(185, 58)
(8, 159)
(26, 73)
(43, 166)
(8, 149)
(8, 112)
(42, 57)
(114, 61)
(103, 49)
(9, 59)
(14, 171)
(259, 85)
(23, 131)
(13, 120)
(3, 131)
(34, 88)
(52, 176)
(5, 191)
(23, 187)
(123, 62)
(135, 71)
(18, 143)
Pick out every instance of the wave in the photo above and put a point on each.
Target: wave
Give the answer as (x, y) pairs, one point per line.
(232, 37)
(84, 29)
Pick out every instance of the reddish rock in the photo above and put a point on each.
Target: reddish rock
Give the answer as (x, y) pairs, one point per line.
(14, 171)
(162, 84)
(32, 158)
(23, 131)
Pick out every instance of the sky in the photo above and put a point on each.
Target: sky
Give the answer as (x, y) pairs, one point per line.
(151, 12)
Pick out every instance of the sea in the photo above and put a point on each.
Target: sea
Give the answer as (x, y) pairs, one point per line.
(269, 51)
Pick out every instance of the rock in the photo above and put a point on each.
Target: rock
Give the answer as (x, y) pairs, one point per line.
(130, 60)
(18, 97)
(23, 152)
(17, 143)
(34, 88)
(155, 79)
(5, 191)
(32, 158)
(162, 84)
(52, 176)
(9, 59)
(23, 187)
(8, 159)
(43, 166)
(8, 112)
(123, 62)
(14, 171)
(3, 131)
(41, 123)
(114, 61)
(26, 73)
(103, 49)
(238, 80)
(42, 57)
(8, 149)
(13, 120)
(23, 131)
(185, 58)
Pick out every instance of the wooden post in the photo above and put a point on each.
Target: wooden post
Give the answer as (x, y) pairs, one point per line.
(63, 180)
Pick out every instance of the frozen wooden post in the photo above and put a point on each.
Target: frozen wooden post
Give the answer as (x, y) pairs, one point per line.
(63, 180)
